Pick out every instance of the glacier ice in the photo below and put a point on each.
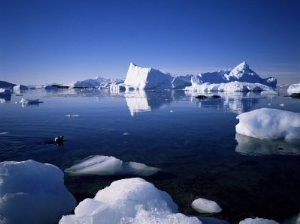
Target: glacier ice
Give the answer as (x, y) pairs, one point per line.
(109, 165)
(32, 192)
(267, 123)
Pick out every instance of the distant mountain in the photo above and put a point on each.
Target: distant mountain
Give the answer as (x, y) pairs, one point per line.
(4, 84)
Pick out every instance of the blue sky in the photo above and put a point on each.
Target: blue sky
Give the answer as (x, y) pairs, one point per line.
(61, 41)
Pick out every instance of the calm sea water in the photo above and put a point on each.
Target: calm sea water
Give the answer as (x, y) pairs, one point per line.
(193, 142)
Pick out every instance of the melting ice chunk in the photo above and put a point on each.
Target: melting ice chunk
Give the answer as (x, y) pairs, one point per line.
(267, 123)
(109, 165)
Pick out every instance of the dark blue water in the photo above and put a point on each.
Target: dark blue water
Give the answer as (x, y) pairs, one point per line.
(193, 141)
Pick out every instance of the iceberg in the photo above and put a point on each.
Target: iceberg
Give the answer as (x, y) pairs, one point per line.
(6, 85)
(109, 165)
(267, 123)
(294, 88)
(19, 88)
(32, 192)
(203, 205)
(146, 78)
(239, 79)
(132, 200)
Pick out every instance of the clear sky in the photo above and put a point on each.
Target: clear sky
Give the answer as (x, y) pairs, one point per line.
(61, 41)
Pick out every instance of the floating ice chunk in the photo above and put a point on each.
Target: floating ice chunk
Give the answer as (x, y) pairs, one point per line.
(32, 192)
(267, 123)
(132, 200)
(203, 205)
(294, 88)
(109, 165)
(257, 221)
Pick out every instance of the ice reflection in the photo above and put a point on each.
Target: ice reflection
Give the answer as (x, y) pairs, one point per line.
(237, 102)
(141, 101)
(259, 147)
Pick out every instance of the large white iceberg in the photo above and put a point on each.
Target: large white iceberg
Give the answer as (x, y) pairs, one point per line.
(32, 192)
(294, 88)
(147, 78)
(267, 123)
(132, 200)
(239, 79)
(109, 165)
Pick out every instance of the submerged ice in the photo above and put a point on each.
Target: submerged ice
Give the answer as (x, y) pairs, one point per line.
(267, 123)
(109, 165)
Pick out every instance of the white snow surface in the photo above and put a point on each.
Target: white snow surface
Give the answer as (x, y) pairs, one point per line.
(109, 165)
(257, 221)
(132, 200)
(294, 88)
(203, 205)
(32, 192)
(267, 123)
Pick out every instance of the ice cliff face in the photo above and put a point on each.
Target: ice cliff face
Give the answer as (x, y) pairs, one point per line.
(147, 78)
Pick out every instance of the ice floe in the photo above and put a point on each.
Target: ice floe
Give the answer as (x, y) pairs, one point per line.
(267, 123)
(203, 205)
(24, 101)
(109, 165)
(32, 192)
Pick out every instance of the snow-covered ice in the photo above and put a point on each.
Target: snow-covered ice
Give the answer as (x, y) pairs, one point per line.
(257, 221)
(267, 123)
(203, 205)
(109, 165)
(294, 88)
(32, 192)
(132, 200)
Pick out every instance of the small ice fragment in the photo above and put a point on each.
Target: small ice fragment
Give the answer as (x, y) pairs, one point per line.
(203, 205)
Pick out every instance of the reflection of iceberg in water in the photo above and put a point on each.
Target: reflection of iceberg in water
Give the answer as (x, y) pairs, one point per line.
(137, 102)
(141, 101)
(258, 147)
(237, 102)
